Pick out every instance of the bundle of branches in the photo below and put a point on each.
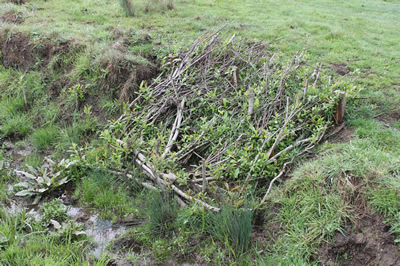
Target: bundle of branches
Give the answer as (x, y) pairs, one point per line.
(222, 116)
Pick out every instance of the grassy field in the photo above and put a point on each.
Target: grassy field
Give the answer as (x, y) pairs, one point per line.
(47, 104)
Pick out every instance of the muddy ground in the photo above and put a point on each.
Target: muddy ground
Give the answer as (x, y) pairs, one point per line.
(367, 241)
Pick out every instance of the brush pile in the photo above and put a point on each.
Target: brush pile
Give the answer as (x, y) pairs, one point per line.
(222, 117)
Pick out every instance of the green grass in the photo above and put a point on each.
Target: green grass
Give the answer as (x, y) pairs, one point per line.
(13, 121)
(162, 211)
(315, 202)
(34, 160)
(359, 33)
(25, 242)
(18, 125)
(3, 184)
(232, 227)
(44, 138)
(99, 190)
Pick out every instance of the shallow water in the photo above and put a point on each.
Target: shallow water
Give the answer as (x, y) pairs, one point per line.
(101, 231)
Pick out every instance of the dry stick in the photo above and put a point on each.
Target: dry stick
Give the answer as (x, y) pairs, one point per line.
(340, 106)
(251, 103)
(317, 77)
(203, 173)
(144, 184)
(149, 171)
(202, 179)
(288, 148)
(305, 89)
(180, 201)
(175, 129)
(278, 138)
(273, 180)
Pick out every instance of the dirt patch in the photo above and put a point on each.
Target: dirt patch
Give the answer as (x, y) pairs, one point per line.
(88, 22)
(339, 134)
(18, 2)
(124, 73)
(366, 242)
(127, 244)
(12, 18)
(20, 53)
(17, 52)
(389, 119)
(266, 229)
(340, 69)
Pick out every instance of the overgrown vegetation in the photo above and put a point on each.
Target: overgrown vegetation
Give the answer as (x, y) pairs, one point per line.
(226, 119)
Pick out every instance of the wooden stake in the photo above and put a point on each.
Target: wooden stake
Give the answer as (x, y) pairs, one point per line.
(340, 107)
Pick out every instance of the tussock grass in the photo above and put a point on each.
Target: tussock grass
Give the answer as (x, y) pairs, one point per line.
(158, 5)
(162, 212)
(100, 191)
(18, 125)
(233, 227)
(44, 138)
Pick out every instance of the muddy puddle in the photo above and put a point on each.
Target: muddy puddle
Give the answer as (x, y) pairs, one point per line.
(101, 231)
(17, 153)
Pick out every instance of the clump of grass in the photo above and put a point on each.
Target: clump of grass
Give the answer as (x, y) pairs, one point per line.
(14, 121)
(127, 7)
(193, 219)
(162, 212)
(18, 125)
(232, 226)
(158, 5)
(322, 193)
(99, 190)
(44, 138)
(11, 106)
(385, 199)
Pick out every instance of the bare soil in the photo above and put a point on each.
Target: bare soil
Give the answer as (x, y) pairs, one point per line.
(12, 18)
(339, 134)
(20, 53)
(366, 242)
(389, 119)
(18, 2)
(340, 68)
(17, 52)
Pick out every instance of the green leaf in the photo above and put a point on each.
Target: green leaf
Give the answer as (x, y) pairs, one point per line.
(26, 174)
(23, 184)
(63, 181)
(24, 193)
(37, 199)
(33, 170)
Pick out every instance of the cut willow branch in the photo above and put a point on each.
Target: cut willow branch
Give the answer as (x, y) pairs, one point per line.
(150, 173)
(198, 107)
(273, 181)
(175, 129)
